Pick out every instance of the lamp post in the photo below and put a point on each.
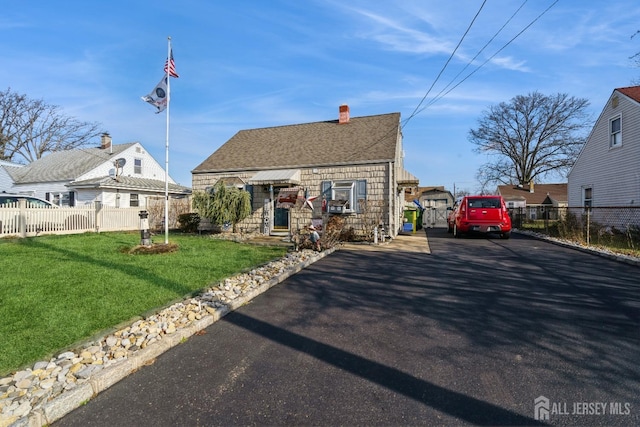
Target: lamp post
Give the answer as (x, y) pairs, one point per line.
(145, 235)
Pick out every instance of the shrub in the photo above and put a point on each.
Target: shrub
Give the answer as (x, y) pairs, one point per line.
(570, 227)
(189, 222)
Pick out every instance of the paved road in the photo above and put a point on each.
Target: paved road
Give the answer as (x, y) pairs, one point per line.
(470, 333)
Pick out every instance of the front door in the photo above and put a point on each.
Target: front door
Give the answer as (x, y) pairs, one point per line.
(280, 218)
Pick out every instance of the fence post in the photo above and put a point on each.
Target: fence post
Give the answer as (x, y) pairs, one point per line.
(22, 217)
(98, 206)
(588, 224)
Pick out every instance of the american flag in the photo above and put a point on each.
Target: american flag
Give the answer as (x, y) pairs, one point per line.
(170, 65)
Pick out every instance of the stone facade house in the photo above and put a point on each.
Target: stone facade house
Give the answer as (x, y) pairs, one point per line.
(303, 174)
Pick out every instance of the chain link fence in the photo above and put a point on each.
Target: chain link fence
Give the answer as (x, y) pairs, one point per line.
(614, 227)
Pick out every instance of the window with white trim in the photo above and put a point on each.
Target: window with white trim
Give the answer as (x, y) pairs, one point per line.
(344, 196)
(343, 192)
(137, 166)
(615, 132)
(134, 200)
(587, 197)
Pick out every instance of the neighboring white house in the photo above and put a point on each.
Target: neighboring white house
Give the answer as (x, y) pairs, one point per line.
(5, 180)
(123, 175)
(607, 171)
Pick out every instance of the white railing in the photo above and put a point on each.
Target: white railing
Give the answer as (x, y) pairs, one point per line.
(23, 220)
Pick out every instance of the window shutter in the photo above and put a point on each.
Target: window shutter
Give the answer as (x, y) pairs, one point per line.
(361, 193)
(249, 189)
(47, 197)
(72, 198)
(325, 195)
(326, 190)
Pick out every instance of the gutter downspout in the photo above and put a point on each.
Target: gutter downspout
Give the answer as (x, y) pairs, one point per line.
(392, 203)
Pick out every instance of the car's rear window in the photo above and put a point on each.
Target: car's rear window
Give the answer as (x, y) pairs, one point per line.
(485, 202)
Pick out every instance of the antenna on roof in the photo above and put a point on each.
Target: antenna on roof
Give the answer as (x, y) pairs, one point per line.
(119, 164)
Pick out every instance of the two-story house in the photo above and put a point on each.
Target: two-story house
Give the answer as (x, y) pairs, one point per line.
(607, 171)
(118, 175)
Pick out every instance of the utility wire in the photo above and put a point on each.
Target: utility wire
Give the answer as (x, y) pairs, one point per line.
(415, 111)
(418, 110)
(438, 96)
(434, 100)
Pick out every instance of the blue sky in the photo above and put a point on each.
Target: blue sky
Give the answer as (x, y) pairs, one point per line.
(259, 63)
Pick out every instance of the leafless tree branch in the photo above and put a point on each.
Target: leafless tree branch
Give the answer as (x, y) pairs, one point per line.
(31, 128)
(530, 137)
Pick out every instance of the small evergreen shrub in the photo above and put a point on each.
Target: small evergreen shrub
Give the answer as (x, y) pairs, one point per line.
(189, 222)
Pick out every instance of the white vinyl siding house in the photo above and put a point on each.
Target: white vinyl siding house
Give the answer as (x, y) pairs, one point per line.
(122, 175)
(607, 171)
(6, 183)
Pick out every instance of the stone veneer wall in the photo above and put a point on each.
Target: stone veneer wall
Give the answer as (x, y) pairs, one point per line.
(378, 195)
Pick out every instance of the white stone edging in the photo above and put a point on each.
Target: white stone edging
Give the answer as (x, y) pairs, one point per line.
(36, 406)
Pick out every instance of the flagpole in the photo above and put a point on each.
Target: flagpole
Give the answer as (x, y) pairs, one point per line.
(166, 162)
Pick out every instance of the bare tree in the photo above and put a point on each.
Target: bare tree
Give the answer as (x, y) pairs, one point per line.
(31, 128)
(530, 137)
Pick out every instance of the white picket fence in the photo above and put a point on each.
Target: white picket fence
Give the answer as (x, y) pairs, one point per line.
(22, 220)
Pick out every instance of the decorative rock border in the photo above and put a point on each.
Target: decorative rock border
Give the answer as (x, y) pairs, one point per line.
(606, 253)
(51, 389)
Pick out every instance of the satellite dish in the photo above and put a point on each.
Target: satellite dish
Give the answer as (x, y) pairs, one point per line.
(120, 162)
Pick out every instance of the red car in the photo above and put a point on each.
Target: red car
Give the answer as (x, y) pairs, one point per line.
(480, 214)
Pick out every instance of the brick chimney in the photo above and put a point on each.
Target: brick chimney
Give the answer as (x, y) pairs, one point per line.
(105, 141)
(343, 117)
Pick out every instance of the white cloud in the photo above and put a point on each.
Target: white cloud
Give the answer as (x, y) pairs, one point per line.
(509, 63)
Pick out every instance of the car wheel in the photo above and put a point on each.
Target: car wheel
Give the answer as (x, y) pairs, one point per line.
(456, 233)
(449, 228)
(505, 235)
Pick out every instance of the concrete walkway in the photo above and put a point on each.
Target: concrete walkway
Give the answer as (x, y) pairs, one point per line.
(405, 242)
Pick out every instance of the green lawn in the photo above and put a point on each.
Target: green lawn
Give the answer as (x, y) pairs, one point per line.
(58, 290)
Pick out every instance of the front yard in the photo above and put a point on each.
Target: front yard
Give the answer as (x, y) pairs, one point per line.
(58, 290)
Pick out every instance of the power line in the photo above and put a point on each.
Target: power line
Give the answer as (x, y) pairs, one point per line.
(481, 50)
(490, 58)
(415, 111)
(418, 110)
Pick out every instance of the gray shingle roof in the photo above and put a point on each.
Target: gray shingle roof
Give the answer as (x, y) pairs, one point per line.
(64, 165)
(130, 184)
(362, 140)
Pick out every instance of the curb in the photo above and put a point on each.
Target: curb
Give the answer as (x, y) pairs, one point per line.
(63, 404)
(586, 249)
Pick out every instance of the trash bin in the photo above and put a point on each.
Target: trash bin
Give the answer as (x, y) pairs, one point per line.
(411, 216)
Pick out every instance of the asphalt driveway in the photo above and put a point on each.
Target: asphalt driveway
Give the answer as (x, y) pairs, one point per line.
(437, 332)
